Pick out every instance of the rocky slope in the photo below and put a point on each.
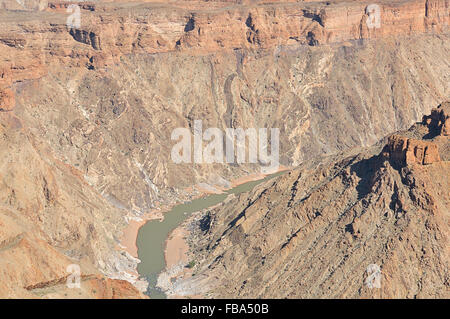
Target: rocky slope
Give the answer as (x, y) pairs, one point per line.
(86, 113)
(51, 218)
(313, 232)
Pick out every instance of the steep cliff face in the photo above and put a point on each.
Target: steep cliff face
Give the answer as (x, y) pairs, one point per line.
(115, 124)
(403, 150)
(110, 30)
(313, 232)
(87, 112)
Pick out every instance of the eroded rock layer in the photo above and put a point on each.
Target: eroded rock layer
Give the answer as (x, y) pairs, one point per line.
(314, 232)
(87, 111)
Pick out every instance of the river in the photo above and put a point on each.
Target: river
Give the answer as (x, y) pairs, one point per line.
(152, 236)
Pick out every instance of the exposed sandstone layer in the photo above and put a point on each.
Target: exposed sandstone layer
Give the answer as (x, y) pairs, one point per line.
(313, 232)
(110, 30)
(405, 150)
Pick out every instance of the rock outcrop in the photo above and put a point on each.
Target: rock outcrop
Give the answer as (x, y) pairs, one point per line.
(320, 230)
(406, 151)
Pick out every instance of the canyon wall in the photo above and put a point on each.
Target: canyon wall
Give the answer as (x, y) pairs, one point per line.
(296, 66)
(94, 106)
(111, 30)
(319, 230)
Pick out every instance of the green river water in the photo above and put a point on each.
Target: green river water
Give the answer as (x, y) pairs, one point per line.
(152, 236)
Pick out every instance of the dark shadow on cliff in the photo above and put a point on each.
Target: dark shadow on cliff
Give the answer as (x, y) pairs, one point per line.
(365, 170)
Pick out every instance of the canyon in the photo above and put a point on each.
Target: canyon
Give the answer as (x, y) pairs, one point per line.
(312, 233)
(86, 116)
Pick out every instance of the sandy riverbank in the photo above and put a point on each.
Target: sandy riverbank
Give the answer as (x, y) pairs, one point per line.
(176, 248)
(129, 236)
